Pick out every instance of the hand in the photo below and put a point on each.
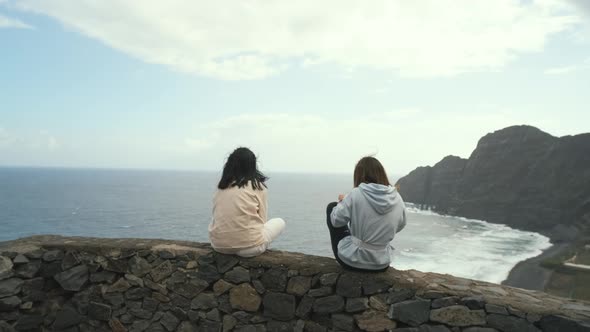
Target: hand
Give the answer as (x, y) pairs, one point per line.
(340, 198)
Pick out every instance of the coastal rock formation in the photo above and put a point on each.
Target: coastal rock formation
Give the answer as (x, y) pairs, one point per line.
(92, 284)
(518, 176)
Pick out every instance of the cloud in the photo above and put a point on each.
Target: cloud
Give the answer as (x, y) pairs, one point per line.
(568, 69)
(402, 139)
(7, 22)
(255, 39)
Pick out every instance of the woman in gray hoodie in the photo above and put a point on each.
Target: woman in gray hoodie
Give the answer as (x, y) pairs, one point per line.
(364, 222)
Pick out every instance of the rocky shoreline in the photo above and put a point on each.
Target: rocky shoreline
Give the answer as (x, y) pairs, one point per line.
(529, 274)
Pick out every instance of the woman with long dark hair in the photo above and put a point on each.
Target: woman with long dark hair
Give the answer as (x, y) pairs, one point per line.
(239, 225)
(364, 222)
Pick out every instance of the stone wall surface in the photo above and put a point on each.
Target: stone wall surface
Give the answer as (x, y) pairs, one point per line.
(53, 283)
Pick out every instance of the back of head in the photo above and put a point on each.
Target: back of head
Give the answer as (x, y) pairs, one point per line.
(239, 169)
(370, 170)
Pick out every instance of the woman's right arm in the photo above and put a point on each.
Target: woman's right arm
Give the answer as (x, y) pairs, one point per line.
(341, 214)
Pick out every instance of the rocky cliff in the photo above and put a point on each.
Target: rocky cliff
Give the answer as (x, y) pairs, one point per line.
(519, 176)
(53, 283)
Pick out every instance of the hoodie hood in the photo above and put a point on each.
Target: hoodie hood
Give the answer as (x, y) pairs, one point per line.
(381, 198)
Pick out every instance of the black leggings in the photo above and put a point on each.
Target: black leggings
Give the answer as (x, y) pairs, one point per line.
(337, 234)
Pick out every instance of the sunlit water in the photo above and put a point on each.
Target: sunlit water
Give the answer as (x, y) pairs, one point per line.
(177, 205)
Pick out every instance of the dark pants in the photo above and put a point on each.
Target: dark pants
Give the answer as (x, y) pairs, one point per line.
(337, 234)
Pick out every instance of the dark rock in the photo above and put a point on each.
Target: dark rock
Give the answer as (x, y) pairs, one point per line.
(73, 279)
(445, 302)
(208, 326)
(371, 320)
(34, 254)
(343, 322)
(221, 287)
(480, 329)
(180, 301)
(495, 309)
(119, 287)
(432, 295)
(115, 299)
(225, 262)
(435, 328)
(357, 304)
(374, 286)
(103, 276)
(412, 312)
(190, 289)
(6, 268)
(49, 270)
(474, 302)
(379, 302)
(165, 254)
(20, 259)
(258, 286)
(32, 290)
(204, 301)
(179, 313)
(208, 272)
(187, 327)
(139, 266)
(5, 327)
(556, 323)
(298, 285)
(162, 271)
(29, 322)
(156, 327)
(116, 265)
(169, 321)
(511, 324)
(134, 280)
(9, 303)
(223, 304)
(458, 315)
(305, 306)
(311, 326)
(213, 315)
(238, 275)
(53, 255)
(242, 317)
(117, 326)
(328, 304)
(66, 317)
(9, 316)
(137, 293)
(150, 304)
(400, 296)
(329, 279)
(275, 279)
(99, 311)
(28, 270)
(244, 297)
(160, 297)
(229, 322)
(278, 326)
(10, 287)
(349, 285)
(155, 286)
(70, 260)
(141, 313)
(320, 292)
(279, 306)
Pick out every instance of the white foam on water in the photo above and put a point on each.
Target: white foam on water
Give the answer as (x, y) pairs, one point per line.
(463, 247)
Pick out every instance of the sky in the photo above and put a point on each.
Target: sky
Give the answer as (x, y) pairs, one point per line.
(309, 86)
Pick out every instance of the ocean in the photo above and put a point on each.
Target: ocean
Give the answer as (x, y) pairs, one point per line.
(177, 205)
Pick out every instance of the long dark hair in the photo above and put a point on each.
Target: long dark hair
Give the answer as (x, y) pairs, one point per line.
(369, 170)
(240, 168)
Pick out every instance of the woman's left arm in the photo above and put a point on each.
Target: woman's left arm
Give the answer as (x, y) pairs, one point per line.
(262, 204)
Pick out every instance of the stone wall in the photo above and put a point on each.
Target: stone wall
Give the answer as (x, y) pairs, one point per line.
(51, 283)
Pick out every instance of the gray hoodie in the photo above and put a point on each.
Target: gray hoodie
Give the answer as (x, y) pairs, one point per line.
(374, 213)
